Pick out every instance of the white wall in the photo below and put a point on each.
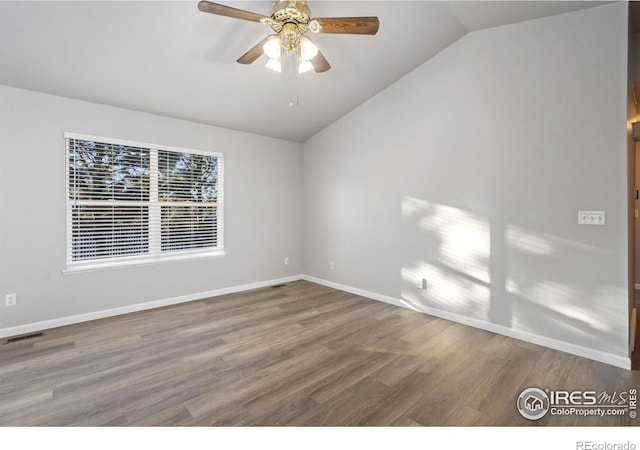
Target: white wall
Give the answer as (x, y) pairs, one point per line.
(470, 172)
(262, 209)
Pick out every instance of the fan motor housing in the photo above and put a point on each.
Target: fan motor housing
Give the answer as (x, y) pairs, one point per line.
(288, 12)
(285, 11)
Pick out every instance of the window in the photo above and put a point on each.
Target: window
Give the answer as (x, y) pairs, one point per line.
(131, 203)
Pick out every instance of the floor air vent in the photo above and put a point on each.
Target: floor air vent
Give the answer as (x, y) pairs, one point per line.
(278, 285)
(23, 337)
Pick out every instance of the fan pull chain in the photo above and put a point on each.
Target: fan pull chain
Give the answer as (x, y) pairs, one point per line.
(294, 97)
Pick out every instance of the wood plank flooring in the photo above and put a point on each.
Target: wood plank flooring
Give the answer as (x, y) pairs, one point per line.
(299, 355)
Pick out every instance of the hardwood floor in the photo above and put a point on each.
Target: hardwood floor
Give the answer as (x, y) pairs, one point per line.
(301, 354)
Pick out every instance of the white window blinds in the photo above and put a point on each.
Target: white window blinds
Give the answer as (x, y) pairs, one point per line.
(130, 202)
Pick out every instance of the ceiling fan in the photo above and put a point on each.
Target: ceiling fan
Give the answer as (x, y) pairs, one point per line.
(290, 20)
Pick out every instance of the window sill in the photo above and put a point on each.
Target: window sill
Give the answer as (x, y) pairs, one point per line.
(134, 262)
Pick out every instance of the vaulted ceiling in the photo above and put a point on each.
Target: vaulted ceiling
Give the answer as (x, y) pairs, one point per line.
(170, 59)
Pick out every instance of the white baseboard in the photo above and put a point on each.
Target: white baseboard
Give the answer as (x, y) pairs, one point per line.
(54, 323)
(585, 352)
(596, 355)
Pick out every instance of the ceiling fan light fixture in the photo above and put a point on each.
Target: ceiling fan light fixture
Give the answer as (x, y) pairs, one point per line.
(305, 66)
(308, 49)
(272, 48)
(289, 50)
(274, 64)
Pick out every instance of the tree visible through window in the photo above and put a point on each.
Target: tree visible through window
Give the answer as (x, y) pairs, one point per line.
(129, 202)
(188, 202)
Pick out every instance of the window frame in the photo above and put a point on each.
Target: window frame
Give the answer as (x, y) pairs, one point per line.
(152, 257)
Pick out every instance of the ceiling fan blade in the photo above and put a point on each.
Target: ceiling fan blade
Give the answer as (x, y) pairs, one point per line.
(221, 10)
(349, 25)
(320, 63)
(254, 52)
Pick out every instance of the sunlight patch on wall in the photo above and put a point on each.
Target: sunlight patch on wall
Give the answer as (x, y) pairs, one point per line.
(465, 239)
(558, 298)
(545, 292)
(445, 289)
(453, 257)
(528, 243)
(507, 274)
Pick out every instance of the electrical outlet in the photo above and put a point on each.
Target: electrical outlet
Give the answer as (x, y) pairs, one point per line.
(423, 284)
(286, 261)
(332, 265)
(10, 300)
